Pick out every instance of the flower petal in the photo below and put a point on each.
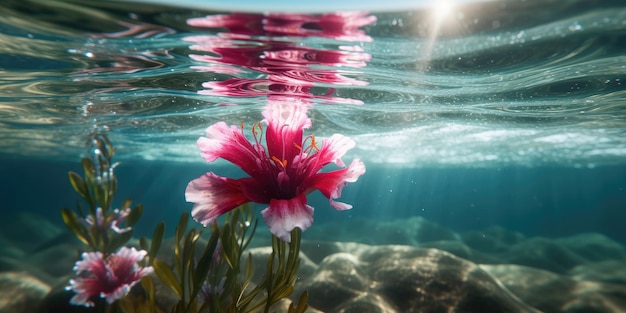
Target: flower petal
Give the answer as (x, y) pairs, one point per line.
(213, 196)
(285, 123)
(331, 183)
(81, 299)
(333, 148)
(124, 261)
(111, 278)
(117, 292)
(259, 189)
(282, 216)
(340, 206)
(229, 143)
(90, 260)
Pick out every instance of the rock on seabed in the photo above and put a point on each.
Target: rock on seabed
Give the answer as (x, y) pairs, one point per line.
(396, 278)
(21, 292)
(410, 265)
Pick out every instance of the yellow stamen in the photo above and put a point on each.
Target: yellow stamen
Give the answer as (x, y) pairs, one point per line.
(277, 160)
(314, 143)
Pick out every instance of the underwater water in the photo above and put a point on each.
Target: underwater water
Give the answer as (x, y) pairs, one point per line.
(492, 130)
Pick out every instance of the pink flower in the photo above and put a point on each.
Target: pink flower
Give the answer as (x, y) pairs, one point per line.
(340, 26)
(273, 87)
(281, 174)
(261, 43)
(100, 223)
(110, 277)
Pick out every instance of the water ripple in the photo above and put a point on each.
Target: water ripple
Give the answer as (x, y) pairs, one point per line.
(496, 83)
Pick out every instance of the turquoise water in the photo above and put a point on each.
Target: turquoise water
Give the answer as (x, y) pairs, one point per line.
(492, 86)
(483, 86)
(495, 84)
(475, 117)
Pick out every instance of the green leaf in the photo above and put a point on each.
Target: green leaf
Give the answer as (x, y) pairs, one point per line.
(106, 146)
(178, 235)
(182, 226)
(202, 269)
(189, 244)
(246, 242)
(118, 241)
(135, 214)
(157, 238)
(249, 271)
(112, 186)
(281, 269)
(90, 181)
(79, 185)
(269, 268)
(101, 197)
(143, 244)
(281, 292)
(302, 304)
(193, 306)
(278, 248)
(127, 305)
(294, 252)
(126, 203)
(228, 246)
(188, 253)
(166, 275)
(88, 167)
(103, 164)
(71, 220)
(148, 286)
(79, 208)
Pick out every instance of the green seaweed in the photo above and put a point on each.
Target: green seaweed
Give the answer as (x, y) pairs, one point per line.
(214, 276)
(220, 280)
(97, 188)
(141, 302)
(280, 277)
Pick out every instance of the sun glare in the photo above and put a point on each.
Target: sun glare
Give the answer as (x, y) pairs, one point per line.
(441, 10)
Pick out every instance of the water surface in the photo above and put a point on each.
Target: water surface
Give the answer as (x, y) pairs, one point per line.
(501, 83)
